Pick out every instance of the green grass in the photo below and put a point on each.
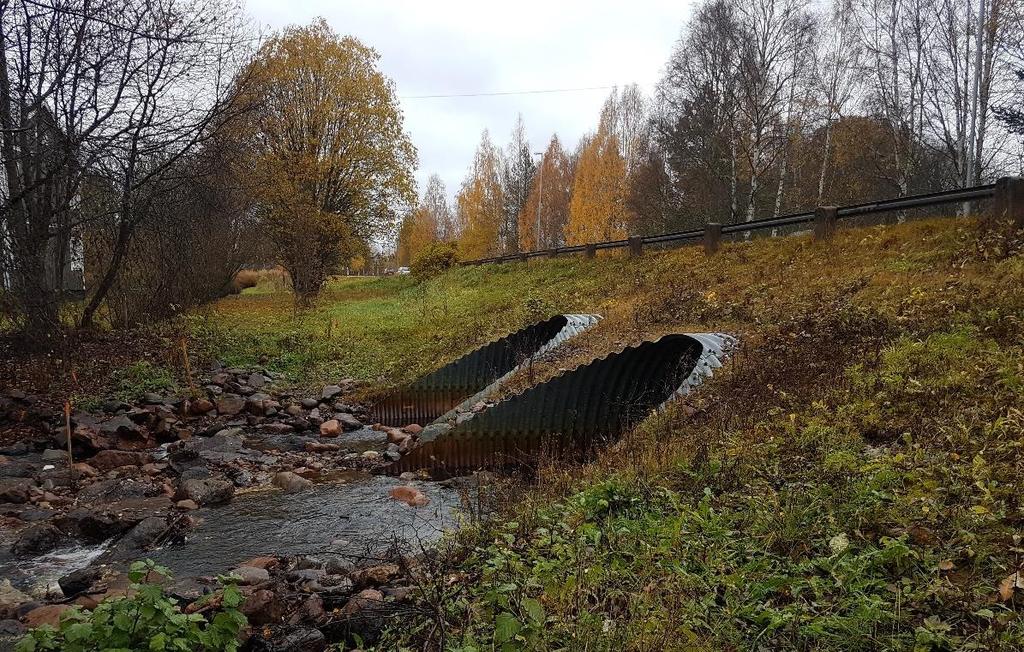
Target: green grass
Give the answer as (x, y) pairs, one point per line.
(850, 481)
(386, 330)
(129, 384)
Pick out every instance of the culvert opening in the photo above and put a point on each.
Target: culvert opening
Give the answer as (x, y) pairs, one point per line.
(438, 392)
(572, 414)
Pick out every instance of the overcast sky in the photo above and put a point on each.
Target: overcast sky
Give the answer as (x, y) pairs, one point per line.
(456, 46)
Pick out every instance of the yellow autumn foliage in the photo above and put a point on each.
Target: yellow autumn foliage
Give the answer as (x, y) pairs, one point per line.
(481, 204)
(597, 211)
(329, 159)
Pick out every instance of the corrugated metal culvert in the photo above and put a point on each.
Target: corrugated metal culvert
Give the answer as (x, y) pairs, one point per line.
(572, 413)
(475, 373)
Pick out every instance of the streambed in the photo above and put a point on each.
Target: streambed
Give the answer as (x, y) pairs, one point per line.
(352, 516)
(355, 518)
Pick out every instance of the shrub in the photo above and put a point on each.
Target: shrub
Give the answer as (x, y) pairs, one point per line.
(148, 620)
(247, 278)
(434, 259)
(274, 279)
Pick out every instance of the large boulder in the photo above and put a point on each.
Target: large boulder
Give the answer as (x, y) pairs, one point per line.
(199, 406)
(85, 438)
(376, 575)
(17, 468)
(78, 581)
(120, 426)
(91, 526)
(365, 599)
(256, 380)
(17, 490)
(263, 607)
(37, 539)
(119, 489)
(291, 482)
(207, 491)
(257, 403)
(146, 534)
(10, 598)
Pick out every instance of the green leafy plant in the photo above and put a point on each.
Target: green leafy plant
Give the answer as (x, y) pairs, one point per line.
(139, 378)
(147, 620)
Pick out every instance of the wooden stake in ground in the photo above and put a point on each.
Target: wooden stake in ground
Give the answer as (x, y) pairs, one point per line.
(188, 369)
(67, 430)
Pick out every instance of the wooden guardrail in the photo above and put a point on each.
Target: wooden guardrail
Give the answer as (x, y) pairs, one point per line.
(1007, 193)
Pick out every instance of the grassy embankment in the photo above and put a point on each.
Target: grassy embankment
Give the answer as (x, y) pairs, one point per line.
(850, 481)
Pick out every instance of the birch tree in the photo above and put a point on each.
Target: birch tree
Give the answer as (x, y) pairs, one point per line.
(481, 203)
(772, 40)
(836, 77)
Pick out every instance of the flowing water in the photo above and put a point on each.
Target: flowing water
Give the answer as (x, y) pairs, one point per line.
(355, 518)
(38, 576)
(350, 515)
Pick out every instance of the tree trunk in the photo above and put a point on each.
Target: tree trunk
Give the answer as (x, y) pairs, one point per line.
(28, 273)
(124, 233)
(733, 199)
(824, 161)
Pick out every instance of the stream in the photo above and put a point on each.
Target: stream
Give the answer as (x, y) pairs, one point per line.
(354, 518)
(350, 515)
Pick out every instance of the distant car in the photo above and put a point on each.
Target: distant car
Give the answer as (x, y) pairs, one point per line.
(403, 270)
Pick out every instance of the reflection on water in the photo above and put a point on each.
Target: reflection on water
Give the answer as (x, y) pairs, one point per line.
(356, 518)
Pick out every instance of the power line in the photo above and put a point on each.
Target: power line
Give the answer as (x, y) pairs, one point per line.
(529, 92)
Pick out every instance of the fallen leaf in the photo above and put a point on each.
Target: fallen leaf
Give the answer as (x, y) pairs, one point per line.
(1013, 581)
(946, 565)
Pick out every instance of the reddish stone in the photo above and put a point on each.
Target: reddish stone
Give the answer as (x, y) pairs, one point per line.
(200, 406)
(48, 614)
(263, 608)
(111, 459)
(330, 428)
(376, 575)
(410, 496)
(366, 599)
(266, 563)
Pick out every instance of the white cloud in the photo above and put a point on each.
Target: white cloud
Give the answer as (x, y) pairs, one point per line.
(459, 46)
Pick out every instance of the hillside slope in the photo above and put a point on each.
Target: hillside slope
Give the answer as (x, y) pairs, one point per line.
(850, 481)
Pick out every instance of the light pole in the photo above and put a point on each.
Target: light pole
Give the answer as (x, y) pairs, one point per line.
(540, 193)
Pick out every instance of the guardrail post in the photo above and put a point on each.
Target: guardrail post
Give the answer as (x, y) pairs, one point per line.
(1008, 202)
(553, 253)
(636, 246)
(590, 252)
(712, 238)
(825, 220)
